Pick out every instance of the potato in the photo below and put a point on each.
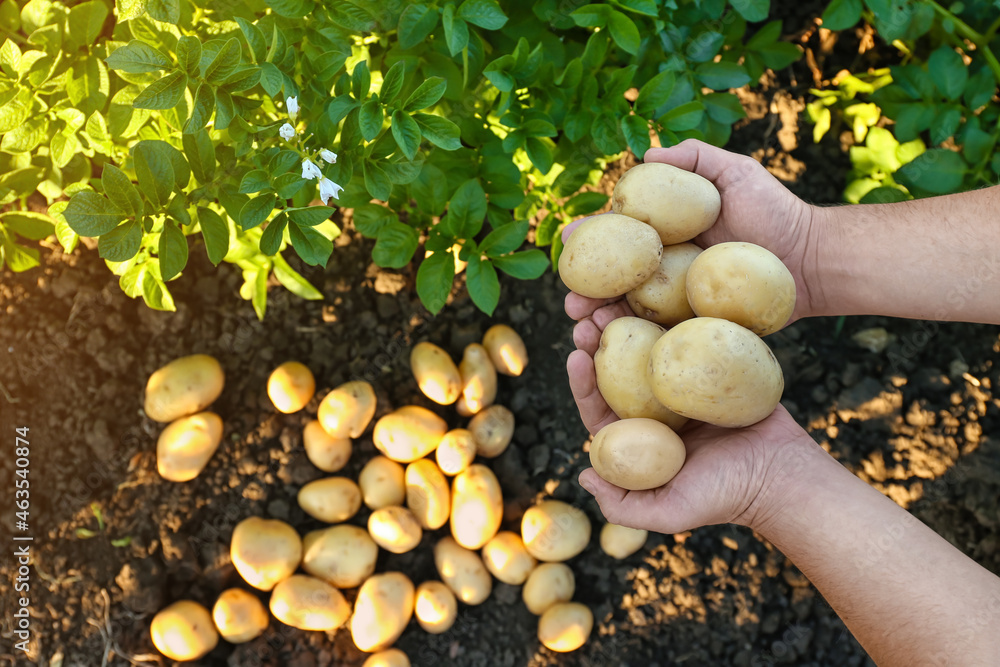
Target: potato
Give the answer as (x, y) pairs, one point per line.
(392, 657)
(436, 607)
(395, 529)
(463, 571)
(678, 204)
(554, 531)
(239, 616)
(333, 499)
(183, 387)
(476, 506)
(621, 364)
(291, 386)
(183, 631)
(382, 610)
(565, 626)
(479, 380)
(436, 374)
(743, 283)
(637, 454)
(456, 452)
(409, 433)
(327, 453)
(185, 446)
(347, 410)
(608, 255)
(548, 584)
(506, 350)
(265, 551)
(427, 494)
(715, 371)
(308, 603)
(620, 542)
(663, 297)
(343, 555)
(493, 429)
(507, 559)
(381, 483)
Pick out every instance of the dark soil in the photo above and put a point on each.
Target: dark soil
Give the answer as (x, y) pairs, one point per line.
(912, 420)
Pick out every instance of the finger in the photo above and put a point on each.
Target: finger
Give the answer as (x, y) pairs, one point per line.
(635, 509)
(594, 410)
(579, 307)
(605, 315)
(587, 337)
(568, 229)
(693, 155)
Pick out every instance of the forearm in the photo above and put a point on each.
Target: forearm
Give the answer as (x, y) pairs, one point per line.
(936, 258)
(907, 595)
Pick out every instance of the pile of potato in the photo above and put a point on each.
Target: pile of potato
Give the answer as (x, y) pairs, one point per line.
(424, 478)
(694, 350)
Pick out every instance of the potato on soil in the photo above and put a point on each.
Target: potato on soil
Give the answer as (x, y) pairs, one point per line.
(493, 429)
(715, 371)
(327, 453)
(463, 571)
(554, 531)
(333, 499)
(183, 631)
(678, 204)
(239, 616)
(382, 483)
(507, 559)
(506, 349)
(343, 555)
(186, 445)
(621, 364)
(427, 494)
(308, 603)
(291, 386)
(548, 584)
(395, 529)
(347, 410)
(435, 607)
(663, 297)
(409, 433)
(565, 626)
(608, 255)
(637, 454)
(476, 506)
(436, 373)
(479, 380)
(183, 387)
(620, 542)
(265, 551)
(382, 610)
(392, 657)
(456, 452)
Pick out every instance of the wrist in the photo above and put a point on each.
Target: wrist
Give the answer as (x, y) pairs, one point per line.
(818, 242)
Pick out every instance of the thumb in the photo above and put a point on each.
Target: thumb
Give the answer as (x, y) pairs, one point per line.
(703, 159)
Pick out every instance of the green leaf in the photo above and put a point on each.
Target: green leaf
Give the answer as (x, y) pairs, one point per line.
(645, 7)
(163, 93)
(722, 75)
(684, 117)
(540, 154)
(271, 79)
(636, 131)
(311, 246)
(204, 107)
(293, 282)
(310, 216)
(752, 10)
(121, 243)
(282, 162)
(288, 185)
(779, 55)
(270, 240)
(90, 214)
(945, 125)
(29, 224)
(376, 181)
(242, 79)
(723, 107)
(137, 57)
(624, 32)
(18, 257)
(10, 15)
(370, 119)
(426, 94)
(466, 211)
(606, 134)
(255, 211)
(166, 11)
(456, 31)
(977, 145)
(525, 265)
(591, 16)
(88, 85)
(979, 89)
(173, 251)
(937, 171)
(254, 181)
(434, 279)
(155, 174)
(948, 72)
(842, 14)
(225, 62)
(439, 131)
(361, 80)
(292, 9)
(415, 24)
(200, 152)
(884, 195)
(120, 190)
(484, 13)
(484, 287)
(585, 203)
(506, 238)
(369, 219)
(392, 83)
(913, 119)
(395, 245)
(189, 55)
(130, 9)
(255, 39)
(215, 232)
(406, 133)
(705, 46)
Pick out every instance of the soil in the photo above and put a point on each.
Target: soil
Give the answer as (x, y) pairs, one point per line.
(911, 419)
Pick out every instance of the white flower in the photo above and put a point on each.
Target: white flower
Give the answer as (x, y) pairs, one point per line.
(286, 131)
(310, 170)
(327, 189)
(292, 104)
(328, 156)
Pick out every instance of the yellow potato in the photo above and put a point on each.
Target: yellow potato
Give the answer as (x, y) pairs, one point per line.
(382, 610)
(291, 386)
(479, 380)
(663, 297)
(327, 453)
(476, 506)
(620, 542)
(456, 452)
(382, 483)
(621, 364)
(308, 603)
(265, 551)
(333, 499)
(463, 571)
(183, 631)
(185, 446)
(347, 410)
(183, 387)
(678, 204)
(436, 373)
(507, 559)
(492, 429)
(395, 529)
(608, 255)
(637, 454)
(506, 350)
(409, 433)
(565, 626)
(390, 658)
(554, 531)
(239, 616)
(343, 555)
(743, 283)
(427, 494)
(436, 607)
(548, 584)
(715, 371)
